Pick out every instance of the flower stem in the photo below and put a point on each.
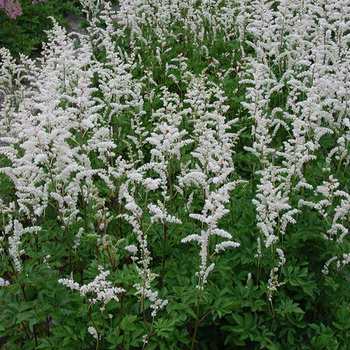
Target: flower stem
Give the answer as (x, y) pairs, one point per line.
(196, 326)
(163, 258)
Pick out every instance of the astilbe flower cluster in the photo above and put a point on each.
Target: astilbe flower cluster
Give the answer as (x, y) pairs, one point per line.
(167, 137)
(310, 65)
(11, 243)
(97, 290)
(157, 21)
(339, 265)
(57, 110)
(13, 7)
(134, 216)
(211, 168)
(334, 214)
(3, 282)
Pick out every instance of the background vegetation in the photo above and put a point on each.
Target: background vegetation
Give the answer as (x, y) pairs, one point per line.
(25, 33)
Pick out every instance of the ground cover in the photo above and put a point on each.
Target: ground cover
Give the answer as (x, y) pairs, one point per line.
(176, 178)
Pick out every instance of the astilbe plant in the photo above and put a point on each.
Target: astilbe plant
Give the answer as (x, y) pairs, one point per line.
(211, 169)
(13, 8)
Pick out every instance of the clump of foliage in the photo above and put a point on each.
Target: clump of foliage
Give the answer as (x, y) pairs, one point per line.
(177, 179)
(25, 31)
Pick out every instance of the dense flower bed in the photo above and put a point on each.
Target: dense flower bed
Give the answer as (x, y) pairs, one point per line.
(177, 179)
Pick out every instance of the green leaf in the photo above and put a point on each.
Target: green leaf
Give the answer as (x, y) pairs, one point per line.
(127, 323)
(275, 346)
(321, 341)
(290, 337)
(163, 327)
(32, 322)
(343, 321)
(287, 307)
(25, 316)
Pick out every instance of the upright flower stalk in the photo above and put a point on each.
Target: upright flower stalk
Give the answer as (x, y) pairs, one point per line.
(211, 169)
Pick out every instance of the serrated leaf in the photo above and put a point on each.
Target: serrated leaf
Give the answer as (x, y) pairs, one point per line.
(321, 341)
(287, 307)
(127, 323)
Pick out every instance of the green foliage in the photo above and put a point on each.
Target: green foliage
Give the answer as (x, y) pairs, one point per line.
(26, 33)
